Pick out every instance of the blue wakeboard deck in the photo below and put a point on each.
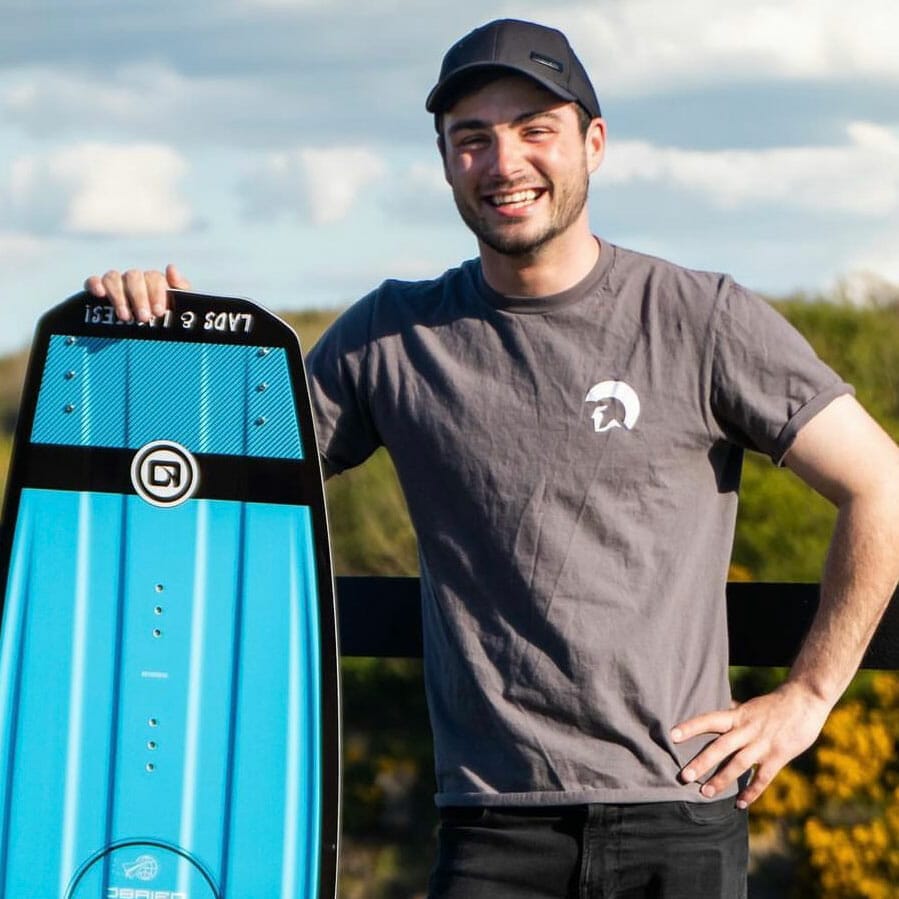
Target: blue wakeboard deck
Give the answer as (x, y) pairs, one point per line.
(168, 658)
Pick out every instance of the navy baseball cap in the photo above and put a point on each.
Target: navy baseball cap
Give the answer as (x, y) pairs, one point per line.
(536, 51)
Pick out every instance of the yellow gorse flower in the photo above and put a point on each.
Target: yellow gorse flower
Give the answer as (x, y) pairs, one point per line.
(837, 807)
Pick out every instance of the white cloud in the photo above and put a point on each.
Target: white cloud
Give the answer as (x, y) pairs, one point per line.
(866, 287)
(322, 183)
(45, 90)
(420, 195)
(860, 177)
(426, 177)
(880, 256)
(260, 71)
(282, 4)
(143, 98)
(643, 45)
(19, 250)
(98, 189)
(334, 178)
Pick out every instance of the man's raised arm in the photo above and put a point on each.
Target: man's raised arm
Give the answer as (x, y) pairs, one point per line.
(844, 455)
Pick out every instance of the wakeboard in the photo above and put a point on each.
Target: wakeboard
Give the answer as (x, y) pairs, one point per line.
(168, 657)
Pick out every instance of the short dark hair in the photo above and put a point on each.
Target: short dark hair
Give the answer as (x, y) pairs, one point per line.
(583, 119)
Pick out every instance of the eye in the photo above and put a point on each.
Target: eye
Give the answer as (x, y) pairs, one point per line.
(471, 141)
(537, 132)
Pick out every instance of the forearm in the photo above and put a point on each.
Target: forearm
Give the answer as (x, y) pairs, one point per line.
(846, 457)
(859, 578)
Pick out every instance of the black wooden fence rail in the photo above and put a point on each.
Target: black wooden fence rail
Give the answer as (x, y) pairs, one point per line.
(381, 617)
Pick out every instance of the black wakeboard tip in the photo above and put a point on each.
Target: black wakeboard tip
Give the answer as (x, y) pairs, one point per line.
(191, 316)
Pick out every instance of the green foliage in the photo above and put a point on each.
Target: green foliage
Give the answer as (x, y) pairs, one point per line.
(308, 325)
(12, 373)
(389, 816)
(5, 452)
(370, 527)
(862, 344)
(783, 527)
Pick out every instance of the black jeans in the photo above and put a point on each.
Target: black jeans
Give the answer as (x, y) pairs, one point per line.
(663, 850)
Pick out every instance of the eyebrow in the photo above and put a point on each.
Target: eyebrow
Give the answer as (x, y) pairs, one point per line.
(477, 124)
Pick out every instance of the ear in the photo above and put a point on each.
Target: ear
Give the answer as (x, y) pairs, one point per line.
(595, 143)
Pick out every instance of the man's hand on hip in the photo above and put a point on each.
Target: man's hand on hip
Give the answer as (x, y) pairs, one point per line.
(764, 733)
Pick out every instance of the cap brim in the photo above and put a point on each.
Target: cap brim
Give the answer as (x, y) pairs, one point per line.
(448, 89)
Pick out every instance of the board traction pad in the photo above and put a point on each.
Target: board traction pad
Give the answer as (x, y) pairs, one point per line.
(169, 715)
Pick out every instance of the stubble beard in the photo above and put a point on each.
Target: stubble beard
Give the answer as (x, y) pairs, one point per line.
(570, 203)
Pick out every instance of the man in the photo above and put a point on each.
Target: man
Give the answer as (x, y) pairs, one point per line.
(567, 419)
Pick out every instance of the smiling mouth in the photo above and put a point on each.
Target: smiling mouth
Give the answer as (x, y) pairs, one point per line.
(515, 198)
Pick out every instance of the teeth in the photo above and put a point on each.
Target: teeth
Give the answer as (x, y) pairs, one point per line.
(519, 196)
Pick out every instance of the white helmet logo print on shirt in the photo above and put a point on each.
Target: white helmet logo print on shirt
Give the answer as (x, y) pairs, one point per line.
(618, 406)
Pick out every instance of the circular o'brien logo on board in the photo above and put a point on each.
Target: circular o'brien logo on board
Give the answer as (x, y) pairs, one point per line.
(164, 473)
(144, 867)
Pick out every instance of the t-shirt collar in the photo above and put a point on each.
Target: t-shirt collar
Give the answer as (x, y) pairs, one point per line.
(525, 305)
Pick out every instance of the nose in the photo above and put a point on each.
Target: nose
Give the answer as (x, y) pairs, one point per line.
(507, 161)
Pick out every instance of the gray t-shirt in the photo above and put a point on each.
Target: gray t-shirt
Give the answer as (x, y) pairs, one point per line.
(571, 466)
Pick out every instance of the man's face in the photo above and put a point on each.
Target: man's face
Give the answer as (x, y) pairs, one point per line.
(518, 164)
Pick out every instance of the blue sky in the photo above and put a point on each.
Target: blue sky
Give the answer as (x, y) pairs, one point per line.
(279, 149)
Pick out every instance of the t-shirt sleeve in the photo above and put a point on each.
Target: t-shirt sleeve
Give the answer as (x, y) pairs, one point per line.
(767, 381)
(339, 385)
